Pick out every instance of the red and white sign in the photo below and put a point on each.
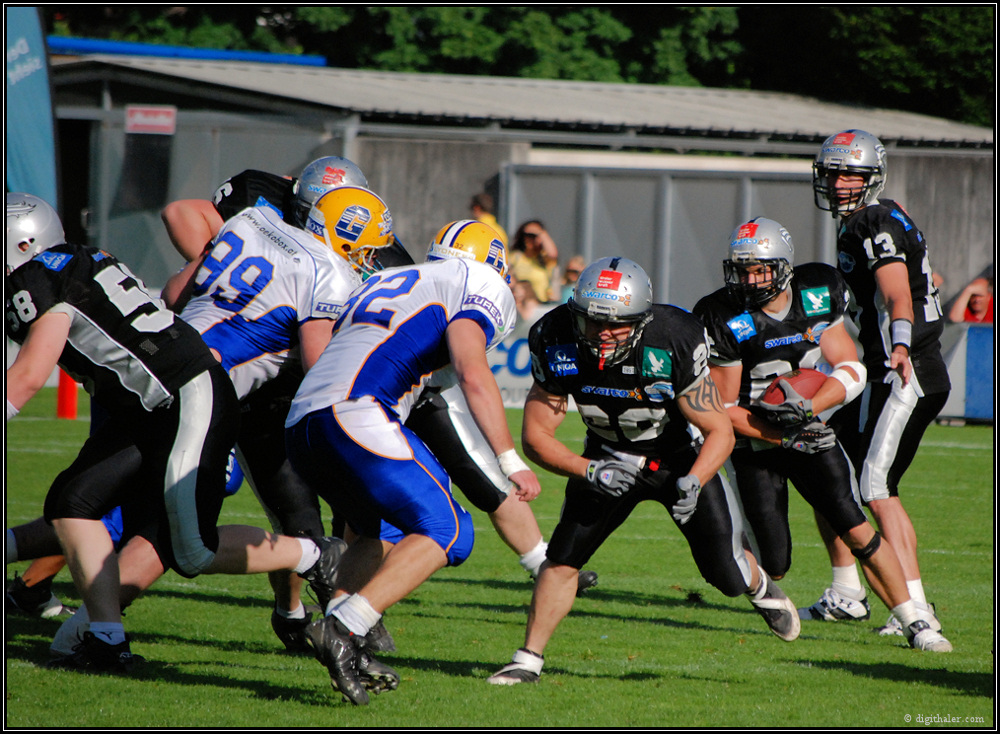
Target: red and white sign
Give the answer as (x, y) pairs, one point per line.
(609, 279)
(158, 120)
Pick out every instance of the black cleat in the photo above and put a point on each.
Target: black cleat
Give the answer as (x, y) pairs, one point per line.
(291, 632)
(96, 656)
(337, 649)
(375, 675)
(379, 639)
(35, 601)
(322, 577)
(585, 580)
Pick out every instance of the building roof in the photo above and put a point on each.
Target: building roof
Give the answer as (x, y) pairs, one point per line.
(535, 104)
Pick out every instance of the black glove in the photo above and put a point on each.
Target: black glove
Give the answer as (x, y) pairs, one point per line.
(809, 438)
(611, 476)
(688, 487)
(794, 410)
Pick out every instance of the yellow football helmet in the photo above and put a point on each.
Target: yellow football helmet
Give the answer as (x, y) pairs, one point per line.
(471, 240)
(353, 222)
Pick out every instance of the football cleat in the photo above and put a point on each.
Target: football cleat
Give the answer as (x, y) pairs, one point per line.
(93, 655)
(291, 632)
(70, 634)
(337, 648)
(524, 667)
(585, 580)
(35, 601)
(379, 639)
(832, 607)
(375, 675)
(777, 609)
(922, 637)
(322, 576)
(893, 626)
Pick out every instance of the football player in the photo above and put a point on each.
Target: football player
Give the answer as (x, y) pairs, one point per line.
(638, 373)
(440, 417)
(348, 420)
(883, 257)
(173, 417)
(769, 320)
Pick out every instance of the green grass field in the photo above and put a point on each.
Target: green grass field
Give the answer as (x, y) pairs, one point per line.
(652, 646)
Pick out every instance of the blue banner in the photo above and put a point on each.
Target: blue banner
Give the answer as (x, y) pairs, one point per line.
(31, 149)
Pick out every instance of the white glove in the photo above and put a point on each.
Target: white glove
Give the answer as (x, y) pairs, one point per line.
(611, 476)
(688, 487)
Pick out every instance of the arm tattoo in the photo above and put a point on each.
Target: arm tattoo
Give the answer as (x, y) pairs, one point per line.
(705, 398)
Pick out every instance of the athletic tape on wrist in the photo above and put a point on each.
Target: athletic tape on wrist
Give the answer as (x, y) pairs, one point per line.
(511, 463)
(901, 333)
(11, 410)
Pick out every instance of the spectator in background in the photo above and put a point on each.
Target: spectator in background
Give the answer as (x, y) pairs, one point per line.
(974, 304)
(534, 257)
(574, 267)
(484, 211)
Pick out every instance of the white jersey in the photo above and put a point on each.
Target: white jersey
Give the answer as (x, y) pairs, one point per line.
(391, 336)
(261, 280)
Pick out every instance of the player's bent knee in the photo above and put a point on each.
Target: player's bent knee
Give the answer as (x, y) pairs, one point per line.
(866, 552)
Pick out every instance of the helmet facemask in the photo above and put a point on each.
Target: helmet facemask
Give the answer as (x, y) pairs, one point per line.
(588, 328)
(756, 292)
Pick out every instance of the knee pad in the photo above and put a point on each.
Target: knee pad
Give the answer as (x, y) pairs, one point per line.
(863, 554)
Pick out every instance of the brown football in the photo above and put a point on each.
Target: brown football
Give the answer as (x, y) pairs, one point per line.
(805, 381)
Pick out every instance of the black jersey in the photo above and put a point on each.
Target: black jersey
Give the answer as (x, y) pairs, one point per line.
(868, 239)
(125, 346)
(768, 346)
(630, 406)
(256, 188)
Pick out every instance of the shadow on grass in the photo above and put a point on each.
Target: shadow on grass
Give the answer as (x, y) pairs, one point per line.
(184, 672)
(967, 684)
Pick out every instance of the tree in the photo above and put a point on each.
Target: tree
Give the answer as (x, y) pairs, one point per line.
(938, 60)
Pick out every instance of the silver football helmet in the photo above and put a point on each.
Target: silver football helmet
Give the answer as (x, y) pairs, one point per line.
(32, 227)
(611, 292)
(319, 177)
(850, 153)
(764, 244)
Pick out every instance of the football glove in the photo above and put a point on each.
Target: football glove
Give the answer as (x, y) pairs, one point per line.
(794, 410)
(611, 476)
(810, 438)
(688, 488)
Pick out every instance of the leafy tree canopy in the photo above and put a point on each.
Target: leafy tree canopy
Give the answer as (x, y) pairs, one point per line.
(937, 60)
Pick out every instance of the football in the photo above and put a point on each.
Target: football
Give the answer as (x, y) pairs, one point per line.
(805, 381)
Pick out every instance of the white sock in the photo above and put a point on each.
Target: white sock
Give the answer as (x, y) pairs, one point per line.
(906, 613)
(532, 560)
(298, 613)
(310, 554)
(112, 633)
(916, 589)
(357, 614)
(758, 593)
(847, 582)
(11, 546)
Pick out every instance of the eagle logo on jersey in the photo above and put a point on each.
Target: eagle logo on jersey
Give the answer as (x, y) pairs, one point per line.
(656, 362)
(816, 301)
(562, 359)
(352, 222)
(742, 327)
